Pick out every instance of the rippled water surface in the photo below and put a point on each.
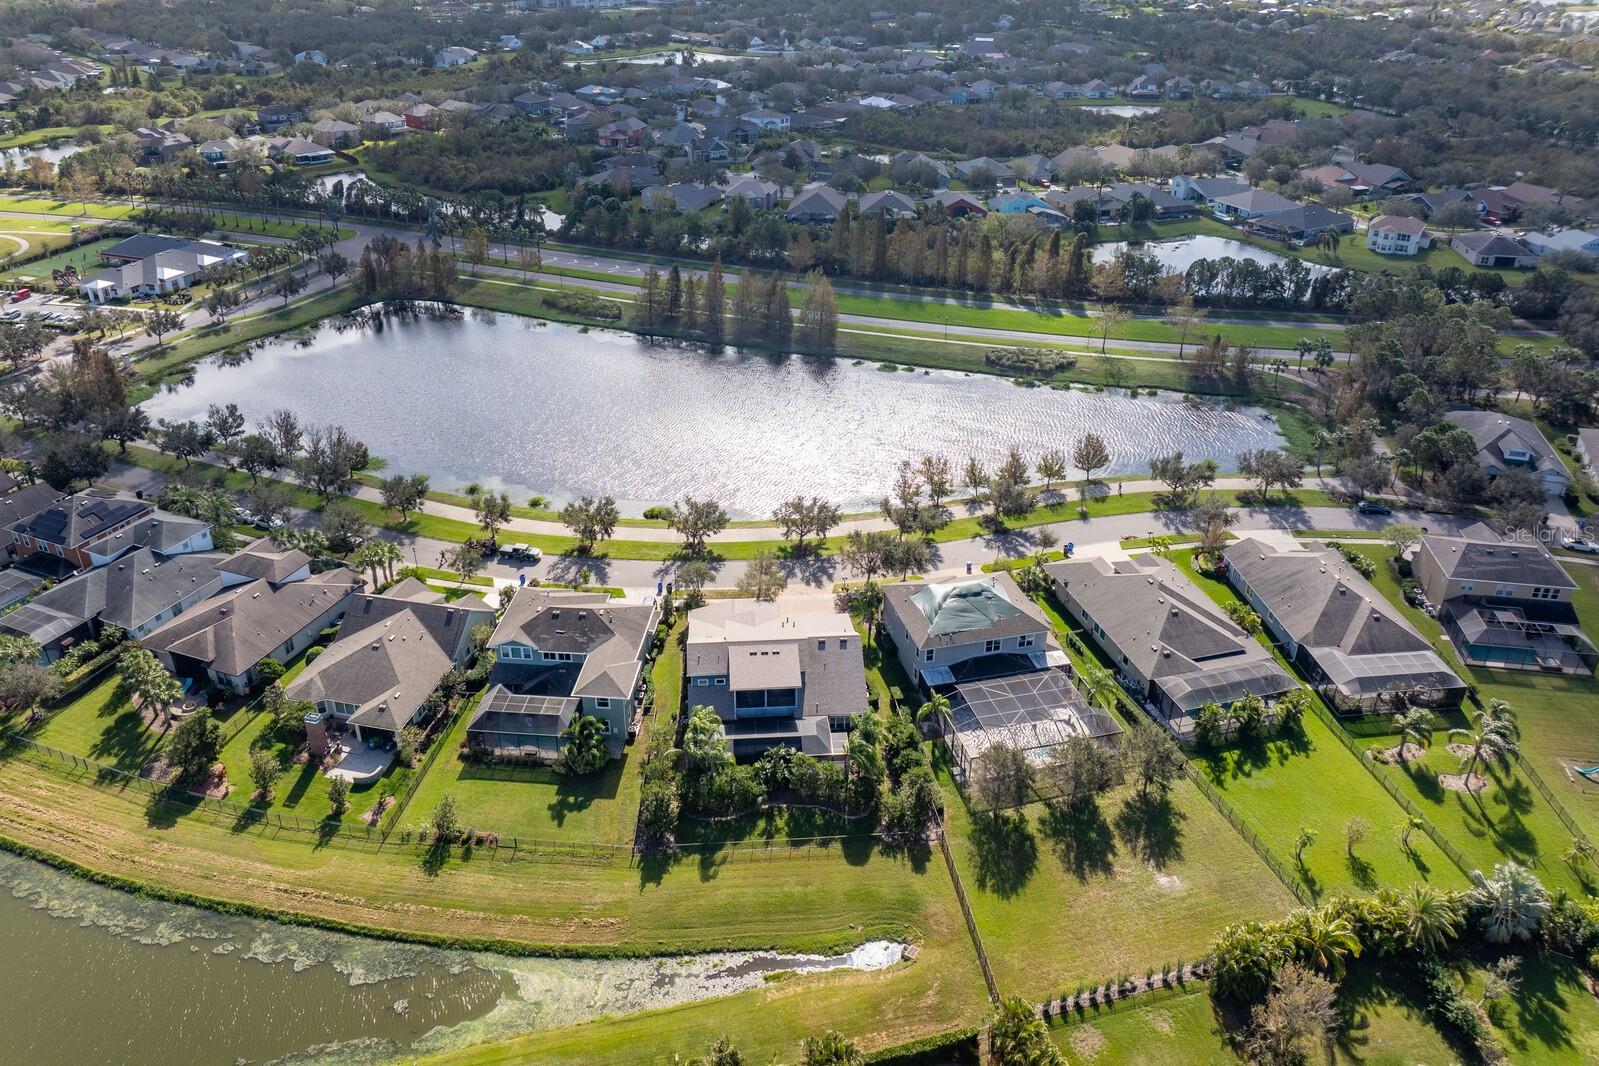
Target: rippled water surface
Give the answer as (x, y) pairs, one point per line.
(92, 975)
(1179, 255)
(503, 400)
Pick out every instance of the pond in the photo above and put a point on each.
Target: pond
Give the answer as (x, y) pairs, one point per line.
(548, 408)
(50, 153)
(1122, 110)
(1178, 255)
(95, 975)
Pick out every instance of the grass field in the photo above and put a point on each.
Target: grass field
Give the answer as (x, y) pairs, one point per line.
(1182, 1028)
(85, 257)
(1552, 1021)
(102, 725)
(1509, 820)
(1062, 899)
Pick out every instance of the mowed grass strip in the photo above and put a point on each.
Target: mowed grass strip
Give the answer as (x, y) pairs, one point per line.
(1069, 898)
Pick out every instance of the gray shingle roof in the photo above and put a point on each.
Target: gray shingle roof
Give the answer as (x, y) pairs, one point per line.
(126, 593)
(610, 636)
(1496, 561)
(979, 608)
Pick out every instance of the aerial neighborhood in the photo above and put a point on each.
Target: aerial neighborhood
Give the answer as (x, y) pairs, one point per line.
(567, 531)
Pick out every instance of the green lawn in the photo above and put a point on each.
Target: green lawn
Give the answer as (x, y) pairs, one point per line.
(1182, 1028)
(1559, 715)
(532, 802)
(1069, 899)
(1553, 1020)
(85, 257)
(102, 725)
(1311, 780)
(1509, 820)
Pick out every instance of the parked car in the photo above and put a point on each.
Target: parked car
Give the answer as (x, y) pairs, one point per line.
(1373, 507)
(1581, 544)
(522, 553)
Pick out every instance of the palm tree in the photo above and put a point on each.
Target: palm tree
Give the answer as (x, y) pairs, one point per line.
(387, 554)
(1495, 740)
(1092, 681)
(1325, 940)
(1431, 917)
(1581, 852)
(776, 767)
(583, 746)
(366, 558)
(932, 707)
(1415, 724)
(1510, 905)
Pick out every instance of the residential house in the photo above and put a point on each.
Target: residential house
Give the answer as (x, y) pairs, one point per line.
(427, 117)
(1525, 194)
(759, 193)
(767, 120)
(1206, 191)
(1581, 241)
(1097, 90)
(684, 197)
(624, 133)
(160, 145)
(777, 675)
(889, 203)
(1302, 224)
(1505, 442)
(985, 169)
(219, 153)
(966, 630)
(1031, 168)
(558, 655)
(1015, 203)
(1587, 450)
(299, 151)
(136, 592)
(315, 56)
(169, 270)
(1433, 202)
(270, 606)
(819, 203)
(1251, 203)
(391, 652)
(383, 123)
(1143, 87)
(1178, 649)
(1488, 249)
(1179, 88)
(335, 133)
(1397, 235)
(454, 56)
(1504, 604)
(65, 528)
(1356, 648)
(957, 204)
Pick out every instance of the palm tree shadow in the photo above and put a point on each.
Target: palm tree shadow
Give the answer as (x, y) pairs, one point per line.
(1361, 872)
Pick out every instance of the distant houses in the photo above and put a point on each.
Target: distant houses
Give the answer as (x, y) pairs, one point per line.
(1397, 235)
(1505, 442)
(148, 265)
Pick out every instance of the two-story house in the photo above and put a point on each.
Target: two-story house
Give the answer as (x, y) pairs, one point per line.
(66, 528)
(392, 651)
(1356, 648)
(966, 630)
(1504, 604)
(1171, 641)
(789, 675)
(1397, 235)
(558, 655)
(1505, 442)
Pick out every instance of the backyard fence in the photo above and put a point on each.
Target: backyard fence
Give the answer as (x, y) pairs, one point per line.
(966, 912)
(1555, 805)
(1433, 833)
(1295, 884)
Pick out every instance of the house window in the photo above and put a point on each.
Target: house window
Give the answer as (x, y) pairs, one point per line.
(1025, 641)
(721, 681)
(991, 646)
(927, 656)
(1541, 593)
(602, 704)
(702, 682)
(843, 643)
(821, 645)
(1466, 586)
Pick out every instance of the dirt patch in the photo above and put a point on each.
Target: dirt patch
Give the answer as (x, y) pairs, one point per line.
(157, 721)
(1160, 1021)
(158, 769)
(1168, 882)
(214, 785)
(1459, 751)
(1460, 783)
(1391, 756)
(375, 815)
(1087, 1042)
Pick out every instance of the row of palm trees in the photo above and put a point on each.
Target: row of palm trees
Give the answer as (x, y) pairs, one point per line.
(1494, 737)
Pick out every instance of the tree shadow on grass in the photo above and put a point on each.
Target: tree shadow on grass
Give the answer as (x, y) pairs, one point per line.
(1540, 1005)
(1151, 826)
(302, 784)
(434, 858)
(1082, 838)
(1361, 872)
(1005, 852)
(574, 795)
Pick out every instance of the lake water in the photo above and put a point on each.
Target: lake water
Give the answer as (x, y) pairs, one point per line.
(50, 153)
(1178, 255)
(1122, 110)
(548, 408)
(93, 975)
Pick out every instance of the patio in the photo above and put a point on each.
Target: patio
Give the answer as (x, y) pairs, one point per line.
(359, 763)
